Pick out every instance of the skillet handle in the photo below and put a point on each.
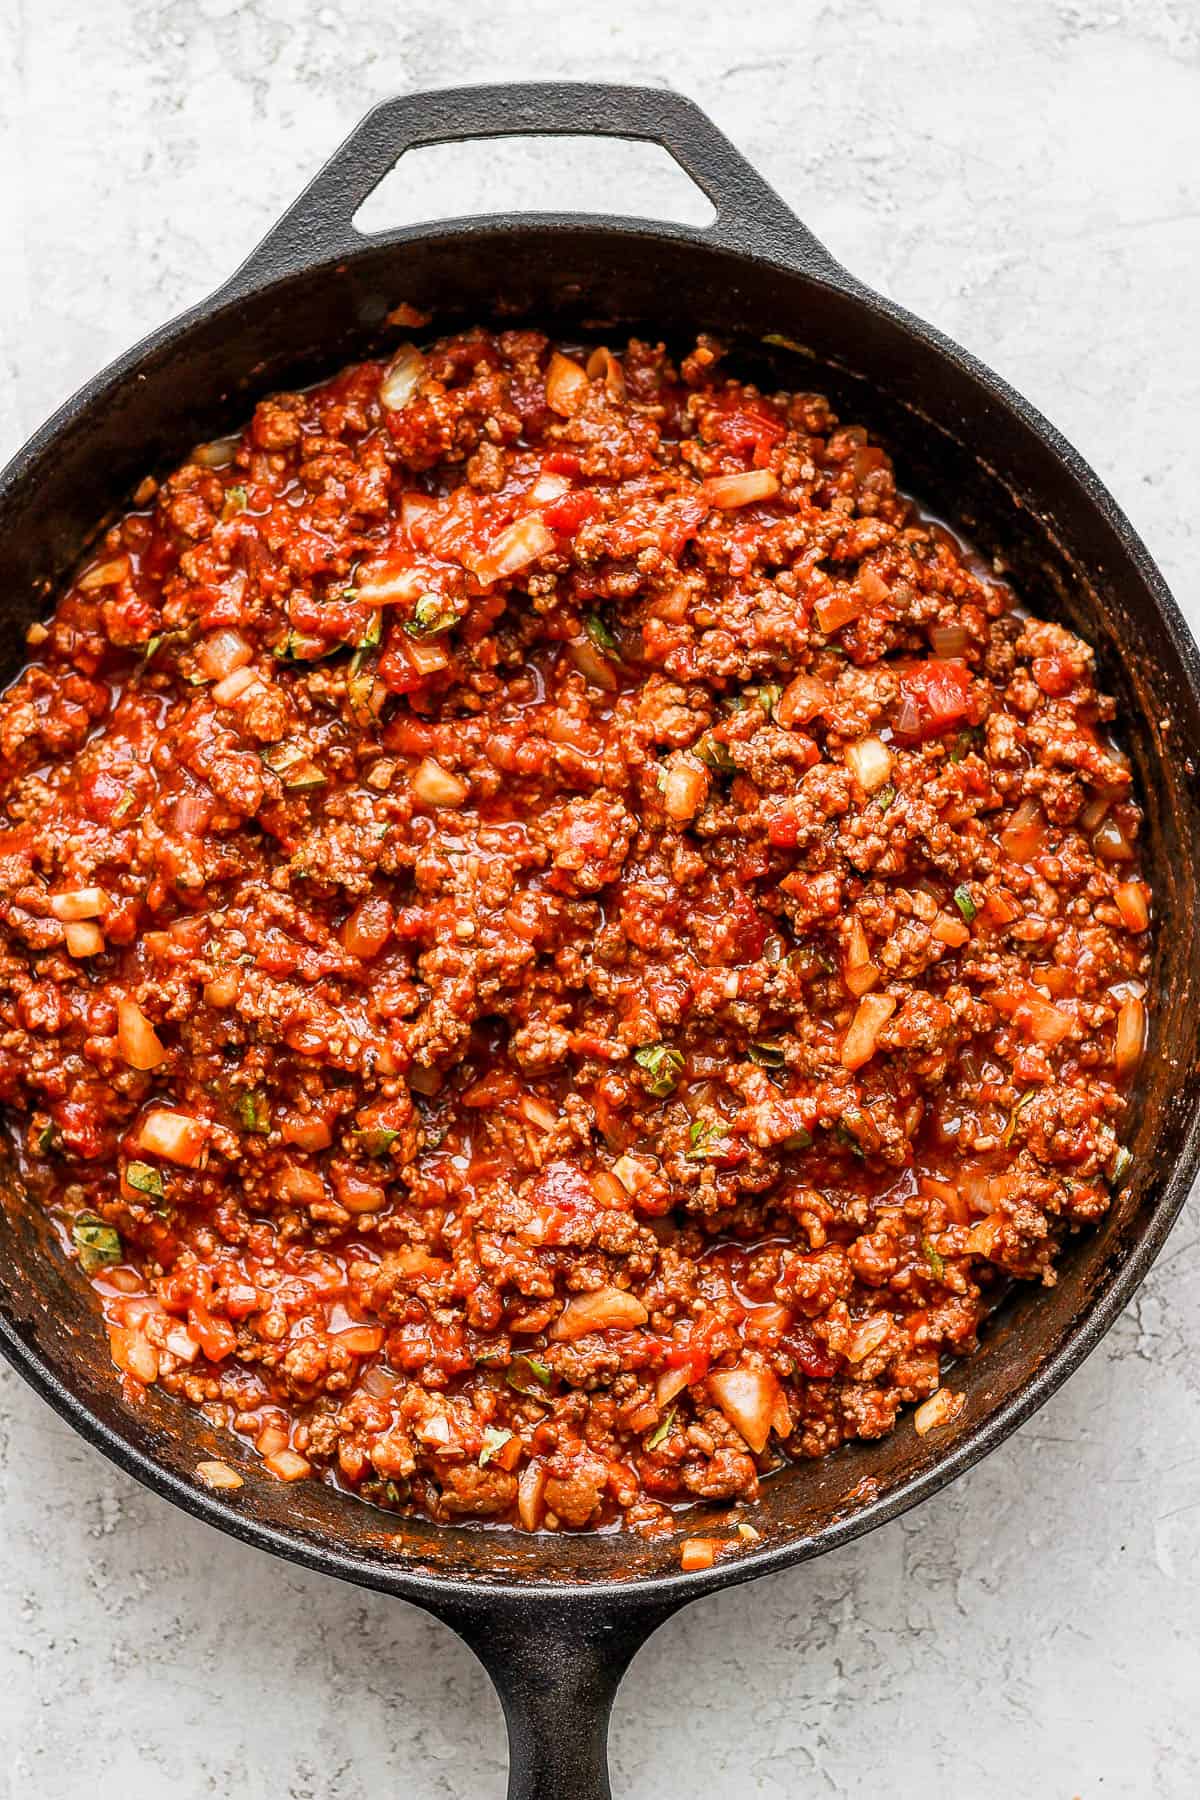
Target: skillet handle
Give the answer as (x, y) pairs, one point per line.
(556, 1667)
(750, 215)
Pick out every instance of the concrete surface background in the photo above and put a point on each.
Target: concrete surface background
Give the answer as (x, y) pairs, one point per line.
(1027, 174)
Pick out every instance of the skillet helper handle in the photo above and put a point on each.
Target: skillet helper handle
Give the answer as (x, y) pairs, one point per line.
(750, 216)
(556, 1668)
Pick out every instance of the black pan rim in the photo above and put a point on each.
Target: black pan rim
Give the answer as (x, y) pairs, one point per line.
(652, 1592)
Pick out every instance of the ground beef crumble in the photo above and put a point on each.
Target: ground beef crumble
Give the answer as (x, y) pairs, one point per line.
(559, 942)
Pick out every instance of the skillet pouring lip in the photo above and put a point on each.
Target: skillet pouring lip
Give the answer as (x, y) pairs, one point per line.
(1159, 1208)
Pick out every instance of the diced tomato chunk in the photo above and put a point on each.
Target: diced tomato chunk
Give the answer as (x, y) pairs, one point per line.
(568, 514)
(934, 695)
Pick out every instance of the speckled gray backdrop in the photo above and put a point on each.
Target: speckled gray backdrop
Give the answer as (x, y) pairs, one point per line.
(1027, 174)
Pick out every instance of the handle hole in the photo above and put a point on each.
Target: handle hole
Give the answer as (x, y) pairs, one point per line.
(561, 174)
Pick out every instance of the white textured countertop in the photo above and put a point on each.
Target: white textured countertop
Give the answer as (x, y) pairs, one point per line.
(1027, 175)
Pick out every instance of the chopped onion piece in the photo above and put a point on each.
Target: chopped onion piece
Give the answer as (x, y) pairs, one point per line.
(685, 790)
(391, 583)
(727, 491)
(1131, 1037)
(1111, 843)
(173, 1135)
(133, 1352)
(836, 610)
(79, 903)
(949, 641)
(402, 377)
(530, 1488)
(870, 763)
(361, 1340)
(867, 1336)
(1021, 1002)
(218, 1475)
(286, 1465)
(750, 1399)
(593, 664)
(435, 786)
(84, 938)
(138, 1044)
(547, 488)
(234, 686)
(803, 699)
(602, 365)
(699, 1553)
(426, 659)
(860, 974)
(1022, 836)
(222, 653)
(105, 574)
(632, 1173)
(670, 1383)
(858, 1045)
(223, 989)
(607, 1309)
(518, 545)
(950, 931)
(182, 1344)
(940, 1409)
(566, 384)
(299, 1185)
(1133, 903)
(216, 454)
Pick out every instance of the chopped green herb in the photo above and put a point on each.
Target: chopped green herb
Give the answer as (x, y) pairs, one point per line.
(1017, 1110)
(152, 646)
(799, 1140)
(361, 684)
(377, 1140)
(235, 502)
(144, 1178)
(965, 742)
(49, 1138)
(885, 796)
(964, 903)
(124, 807)
(293, 768)
(429, 617)
(779, 342)
(767, 1054)
(768, 697)
(494, 1439)
(658, 1435)
(372, 631)
(845, 1132)
(396, 1492)
(599, 633)
(703, 1137)
(98, 1244)
(254, 1112)
(527, 1374)
(1122, 1162)
(715, 754)
(734, 703)
(663, 1065)
(936, 1263)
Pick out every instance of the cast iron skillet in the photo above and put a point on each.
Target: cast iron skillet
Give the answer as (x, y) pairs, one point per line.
(557, 1619)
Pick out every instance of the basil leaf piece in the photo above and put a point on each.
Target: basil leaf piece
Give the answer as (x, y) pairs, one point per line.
(658, 1435)
(98, 1244)
(663, 1065)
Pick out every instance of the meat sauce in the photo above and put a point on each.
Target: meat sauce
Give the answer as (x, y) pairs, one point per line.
(559, 942)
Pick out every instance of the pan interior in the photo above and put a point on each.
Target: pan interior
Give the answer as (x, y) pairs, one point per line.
(974, 459)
